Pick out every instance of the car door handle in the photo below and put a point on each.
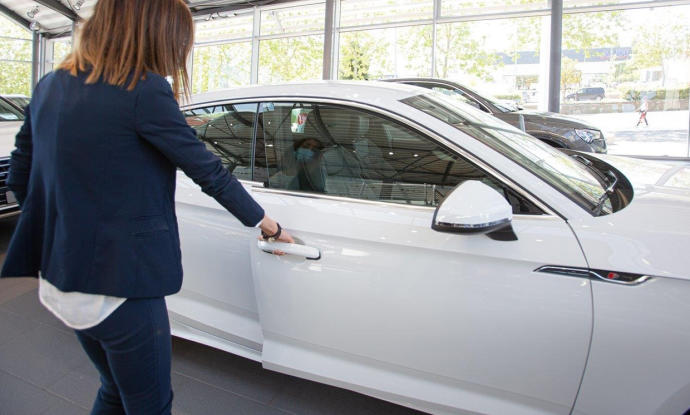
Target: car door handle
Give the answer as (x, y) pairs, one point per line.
(290, 249)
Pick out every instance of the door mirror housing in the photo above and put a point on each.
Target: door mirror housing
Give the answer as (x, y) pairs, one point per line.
(474, 207)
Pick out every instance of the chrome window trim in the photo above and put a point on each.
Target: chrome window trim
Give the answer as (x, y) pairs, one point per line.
(409, 123)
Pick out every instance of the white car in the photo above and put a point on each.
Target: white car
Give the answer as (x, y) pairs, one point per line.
(11, 119)
(444, 260)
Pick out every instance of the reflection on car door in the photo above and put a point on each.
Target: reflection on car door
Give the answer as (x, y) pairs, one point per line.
(393, 308)
(216, 305)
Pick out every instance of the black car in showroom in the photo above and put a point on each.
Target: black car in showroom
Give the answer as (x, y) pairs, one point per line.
(555, 129)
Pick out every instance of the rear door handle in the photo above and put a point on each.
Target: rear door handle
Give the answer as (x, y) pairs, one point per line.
(290, 249)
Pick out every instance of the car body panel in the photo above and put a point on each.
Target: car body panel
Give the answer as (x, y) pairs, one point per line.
(446, 323)
(639, 361)
(217, 296)
(425, 306)
(638, 238)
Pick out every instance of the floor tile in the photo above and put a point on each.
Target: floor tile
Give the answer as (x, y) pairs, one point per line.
(65, 408)
(77, 387)
(12, 325)
(226, 371)
(304, 397)
(193, 397)
(19, 397)
(41, 356)
(27, 305)
(11, 288)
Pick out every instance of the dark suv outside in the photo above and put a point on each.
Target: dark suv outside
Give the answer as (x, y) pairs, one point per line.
(587, 94)
(554, 129)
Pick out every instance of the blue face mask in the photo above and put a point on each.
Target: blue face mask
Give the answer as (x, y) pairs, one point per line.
(304, 155)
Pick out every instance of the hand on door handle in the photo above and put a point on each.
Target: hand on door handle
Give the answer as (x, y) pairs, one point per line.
(290, 249)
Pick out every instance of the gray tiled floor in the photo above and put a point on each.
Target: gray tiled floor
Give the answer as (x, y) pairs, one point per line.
(44, 371)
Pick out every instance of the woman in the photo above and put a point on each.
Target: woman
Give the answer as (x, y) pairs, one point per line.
(311, 172)
(94, 172)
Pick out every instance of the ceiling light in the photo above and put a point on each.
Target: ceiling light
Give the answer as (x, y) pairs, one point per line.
(78, 4)
(35, 26)
(32, 12)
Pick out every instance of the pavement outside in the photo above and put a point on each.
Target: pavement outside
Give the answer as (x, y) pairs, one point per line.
(43, 370)
(666, 135)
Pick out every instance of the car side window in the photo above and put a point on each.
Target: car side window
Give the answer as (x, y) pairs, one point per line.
(227, 130)
(9, 113)
(347, 152)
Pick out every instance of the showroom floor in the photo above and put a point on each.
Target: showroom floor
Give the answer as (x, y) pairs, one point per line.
(44, 371)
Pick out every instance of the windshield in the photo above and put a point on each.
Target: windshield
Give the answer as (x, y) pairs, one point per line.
(502, 105)
(9, 113)
(562, 172)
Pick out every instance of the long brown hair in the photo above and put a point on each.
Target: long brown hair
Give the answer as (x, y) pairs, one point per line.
(125, 38)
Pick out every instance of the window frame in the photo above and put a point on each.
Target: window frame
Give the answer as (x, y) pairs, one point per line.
(252, 148)
(547, 211)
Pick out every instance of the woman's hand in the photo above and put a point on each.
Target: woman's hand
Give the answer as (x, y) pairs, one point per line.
(270, 227)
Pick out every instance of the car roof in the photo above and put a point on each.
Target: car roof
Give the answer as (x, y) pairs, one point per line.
(362, 91)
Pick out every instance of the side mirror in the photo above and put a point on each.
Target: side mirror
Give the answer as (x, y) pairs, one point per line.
(474, 207)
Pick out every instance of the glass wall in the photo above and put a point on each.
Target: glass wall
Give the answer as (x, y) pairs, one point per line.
(484, 7)
(625, 65)
(628, 73)
(291, 43)
(298, 58)
(494, 57)
(385, 53)
(223, 51)
(15, 58)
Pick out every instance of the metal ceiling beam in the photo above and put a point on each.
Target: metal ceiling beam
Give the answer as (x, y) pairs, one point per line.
(14, 16)
(60, 8)
(234, 7)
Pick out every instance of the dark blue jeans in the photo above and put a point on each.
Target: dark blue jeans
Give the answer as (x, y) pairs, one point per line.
(131, 349)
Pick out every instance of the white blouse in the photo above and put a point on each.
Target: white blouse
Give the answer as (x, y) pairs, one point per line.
(77, 310)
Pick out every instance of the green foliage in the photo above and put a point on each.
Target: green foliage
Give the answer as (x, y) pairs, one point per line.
(10, 29)
(635, 95)
(624, 72)
(290, 59)
(656, 43)
(15, 58)
(571, 77)
(357, 50)
(457, 49)
(509, 97)
(221, 66)
(587, 31)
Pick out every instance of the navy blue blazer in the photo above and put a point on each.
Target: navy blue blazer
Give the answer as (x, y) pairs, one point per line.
(94, 173)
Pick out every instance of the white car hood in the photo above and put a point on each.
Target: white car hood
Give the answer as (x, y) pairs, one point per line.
(8, 130)
(652, 234)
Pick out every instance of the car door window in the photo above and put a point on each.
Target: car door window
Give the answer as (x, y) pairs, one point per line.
(227, 130)
(9, 113)
(347, 152)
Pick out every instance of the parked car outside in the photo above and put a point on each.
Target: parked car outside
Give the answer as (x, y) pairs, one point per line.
(18, 100)
(445, 260)
(587, 94)
(554, 129)
(11, 119)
